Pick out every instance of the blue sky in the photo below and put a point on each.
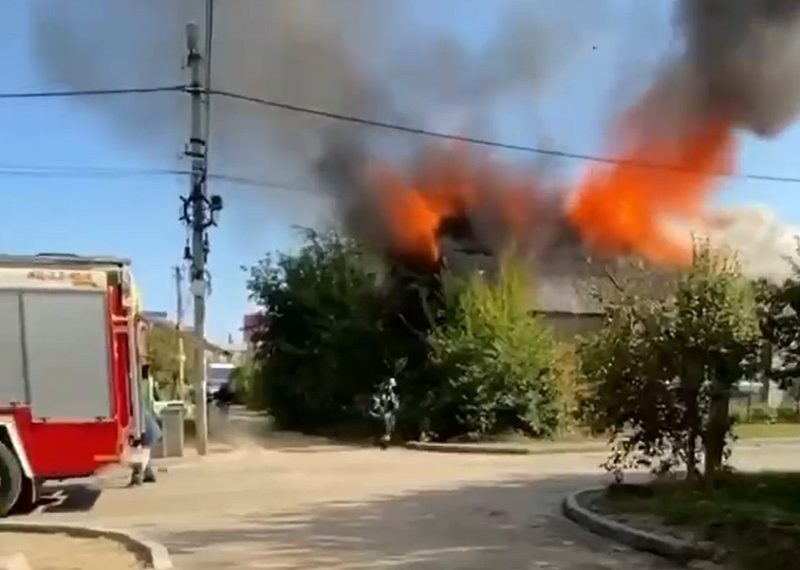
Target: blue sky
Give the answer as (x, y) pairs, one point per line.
(137, 217)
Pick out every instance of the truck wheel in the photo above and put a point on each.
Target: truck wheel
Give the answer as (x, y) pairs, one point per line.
(10, 479)
(28, 498)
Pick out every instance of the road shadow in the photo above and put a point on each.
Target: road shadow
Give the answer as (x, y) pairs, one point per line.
(60, 498)
(244, 429)
(512, 524)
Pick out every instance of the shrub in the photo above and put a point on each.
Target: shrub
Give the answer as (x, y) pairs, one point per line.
(787, 414)
(494, 362)
(323, 343)
(761, 415)
(661, 372)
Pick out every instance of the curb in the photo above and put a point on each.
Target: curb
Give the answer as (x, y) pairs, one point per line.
(675, 549)
(767, 441)
(556, 449)
(153, 554)
(490, 449)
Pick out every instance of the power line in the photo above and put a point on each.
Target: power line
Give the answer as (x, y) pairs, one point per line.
(90, 92)
(87, 172)
(400, 128)
(122, 173)
(377, 124)
(479, 141)
(132, 173)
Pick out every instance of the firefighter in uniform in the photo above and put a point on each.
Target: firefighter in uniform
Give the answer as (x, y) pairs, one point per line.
(384, 407)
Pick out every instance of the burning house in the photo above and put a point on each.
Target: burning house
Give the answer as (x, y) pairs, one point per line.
(734, 67)
(671, 146)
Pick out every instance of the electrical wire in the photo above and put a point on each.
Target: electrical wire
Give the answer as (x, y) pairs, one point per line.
(131, 173)
(87, 172)
(483, 142)
(382, 125)
(91, 172)
(91, 92)
(395, 127)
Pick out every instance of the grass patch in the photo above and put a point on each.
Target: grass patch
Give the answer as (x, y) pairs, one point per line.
(743, 431)
(514, 438)
(752, 431)
(755, 517)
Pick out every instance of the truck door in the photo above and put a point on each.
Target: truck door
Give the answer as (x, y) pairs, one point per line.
(66, 344)
(12, 373)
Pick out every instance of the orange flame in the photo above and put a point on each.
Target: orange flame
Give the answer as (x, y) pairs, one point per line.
(448, 184)
(617, 210)
(627, 208)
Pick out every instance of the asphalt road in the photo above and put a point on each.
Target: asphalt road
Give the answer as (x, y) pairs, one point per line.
(307, 506)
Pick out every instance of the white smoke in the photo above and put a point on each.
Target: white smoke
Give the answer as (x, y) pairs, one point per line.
(765, 245)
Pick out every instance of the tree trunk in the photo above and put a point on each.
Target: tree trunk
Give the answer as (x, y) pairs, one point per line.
(693, 430)
(766, 368)
(716, 430)
(693, 421)
(691, 457)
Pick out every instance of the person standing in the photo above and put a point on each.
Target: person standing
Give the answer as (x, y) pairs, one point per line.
(141, 466)
(224, 397)
(384, 407)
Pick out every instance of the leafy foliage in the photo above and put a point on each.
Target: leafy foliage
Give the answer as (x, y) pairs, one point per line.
(779, 317)
(495, 363)
(324, 343)
(244, 381)
(661, 371)
(164, 357)
(468, 357)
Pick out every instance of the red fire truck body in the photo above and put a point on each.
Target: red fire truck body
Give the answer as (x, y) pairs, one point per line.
(69, 369)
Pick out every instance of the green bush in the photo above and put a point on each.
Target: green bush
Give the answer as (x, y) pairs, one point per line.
(661, 373)
(764, 414)
(495, 363)
(324, 343)
(468, 357)
(787, 415)
(244, 383)
(761, 415)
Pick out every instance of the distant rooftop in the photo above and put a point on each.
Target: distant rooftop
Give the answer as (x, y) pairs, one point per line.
(564, 288)
(161, 319)
(233, 347)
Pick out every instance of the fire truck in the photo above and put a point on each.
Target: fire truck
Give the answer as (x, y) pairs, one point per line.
(70, 363)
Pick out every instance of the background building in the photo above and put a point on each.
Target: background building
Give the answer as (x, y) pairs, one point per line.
(250, 324)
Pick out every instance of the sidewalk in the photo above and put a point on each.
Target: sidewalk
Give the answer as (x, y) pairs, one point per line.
(59, 552)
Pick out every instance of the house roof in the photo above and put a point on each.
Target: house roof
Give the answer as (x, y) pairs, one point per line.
(559, 286)
(159, 320)
(567, 294)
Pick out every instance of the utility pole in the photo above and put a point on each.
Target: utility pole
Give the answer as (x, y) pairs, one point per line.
(179, 331)
(199, 212)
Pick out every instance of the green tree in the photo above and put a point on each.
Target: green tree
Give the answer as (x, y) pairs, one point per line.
(495, 362)
(324, 343)
(244, 381)
(661, 371)
(779, 312)
(470, 359)
(164, 358)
